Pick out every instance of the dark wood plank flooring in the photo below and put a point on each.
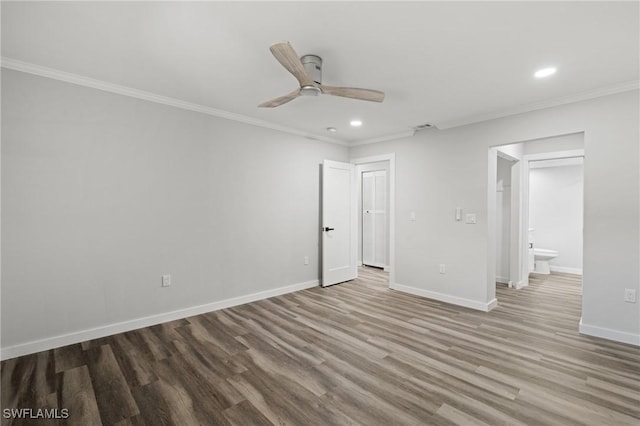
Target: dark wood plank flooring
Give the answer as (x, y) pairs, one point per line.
(355, 353)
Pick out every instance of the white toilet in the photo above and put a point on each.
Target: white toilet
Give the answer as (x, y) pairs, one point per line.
(541, 259)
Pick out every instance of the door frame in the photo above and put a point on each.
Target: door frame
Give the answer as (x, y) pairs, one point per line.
(515, 219)
(391, 158)
(526, 159)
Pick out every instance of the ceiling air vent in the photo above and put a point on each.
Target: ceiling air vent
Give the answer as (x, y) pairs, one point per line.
(423, 126)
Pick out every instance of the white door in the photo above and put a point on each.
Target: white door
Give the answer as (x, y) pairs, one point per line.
(374, 218)
(339, 234)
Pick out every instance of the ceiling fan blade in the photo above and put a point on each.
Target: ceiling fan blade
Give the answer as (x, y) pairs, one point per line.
(353, 92)
(281, 100)
(289, 59)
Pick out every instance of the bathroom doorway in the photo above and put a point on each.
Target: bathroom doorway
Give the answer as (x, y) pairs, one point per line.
(555, 212)
(536, 209)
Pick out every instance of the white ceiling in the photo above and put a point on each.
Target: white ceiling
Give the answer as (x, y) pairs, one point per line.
(447, 63)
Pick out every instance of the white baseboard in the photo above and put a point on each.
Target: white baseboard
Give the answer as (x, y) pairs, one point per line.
(520, 284)
(442, 297)
(492, 304)
(565, 269)
(121, 327)
(610, 334)
(502, 280)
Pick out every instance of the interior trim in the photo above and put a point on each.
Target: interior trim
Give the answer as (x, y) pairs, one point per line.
(30, 68)
(384, 138)
(610, 334)
(548, 103)
(136, 323)
(447, 298)
(16, 65)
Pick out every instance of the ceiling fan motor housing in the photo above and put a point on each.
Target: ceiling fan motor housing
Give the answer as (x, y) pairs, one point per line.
(313, 66)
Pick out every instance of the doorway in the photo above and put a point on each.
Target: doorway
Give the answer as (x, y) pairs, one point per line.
(555, 212)
(513, 211)
(374, 247)
(375, 186)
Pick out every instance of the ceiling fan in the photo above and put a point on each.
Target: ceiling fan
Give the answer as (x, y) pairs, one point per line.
(308, 71)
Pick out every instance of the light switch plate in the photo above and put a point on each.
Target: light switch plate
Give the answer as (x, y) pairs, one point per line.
(166, 280)
(471, 218)
(630, 295)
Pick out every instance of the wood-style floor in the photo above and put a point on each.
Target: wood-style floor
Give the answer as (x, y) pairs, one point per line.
(355, 353)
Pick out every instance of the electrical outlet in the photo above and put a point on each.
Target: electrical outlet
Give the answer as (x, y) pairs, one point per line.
(166, 280)
(306, 260)
(630, 295)
(443, 268)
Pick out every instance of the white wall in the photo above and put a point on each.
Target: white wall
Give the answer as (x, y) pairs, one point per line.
(102, 194)
(555, 212)
(438, 170)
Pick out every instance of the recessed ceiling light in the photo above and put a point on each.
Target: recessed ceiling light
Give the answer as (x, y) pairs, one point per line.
(545, 72)
(356, 123)
(332, 129)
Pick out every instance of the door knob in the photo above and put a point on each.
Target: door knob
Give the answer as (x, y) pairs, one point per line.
(328, 229)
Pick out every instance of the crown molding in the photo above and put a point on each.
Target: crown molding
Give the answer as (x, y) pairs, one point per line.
(384, 138)
(563, 100)
(26, 67)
